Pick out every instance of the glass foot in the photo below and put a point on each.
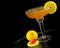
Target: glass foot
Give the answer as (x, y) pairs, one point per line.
(43, 41)
(44, 38)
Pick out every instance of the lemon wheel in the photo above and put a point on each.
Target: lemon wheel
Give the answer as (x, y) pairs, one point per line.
(51, 5)
(31, 34)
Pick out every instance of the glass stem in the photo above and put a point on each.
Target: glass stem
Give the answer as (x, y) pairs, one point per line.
(41, 25)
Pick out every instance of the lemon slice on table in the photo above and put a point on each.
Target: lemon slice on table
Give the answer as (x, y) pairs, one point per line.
(31, 34)
(51, 5)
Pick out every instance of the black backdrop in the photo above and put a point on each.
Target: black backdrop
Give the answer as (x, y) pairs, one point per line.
(23, 23)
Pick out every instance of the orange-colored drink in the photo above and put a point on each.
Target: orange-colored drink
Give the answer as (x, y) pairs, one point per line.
(37, 13)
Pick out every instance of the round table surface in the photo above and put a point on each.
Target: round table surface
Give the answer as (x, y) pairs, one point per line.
(22, 43)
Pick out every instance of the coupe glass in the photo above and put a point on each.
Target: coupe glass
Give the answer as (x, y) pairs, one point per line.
(39, 13)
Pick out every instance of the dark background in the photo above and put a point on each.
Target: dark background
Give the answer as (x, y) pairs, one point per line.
(23, 23)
